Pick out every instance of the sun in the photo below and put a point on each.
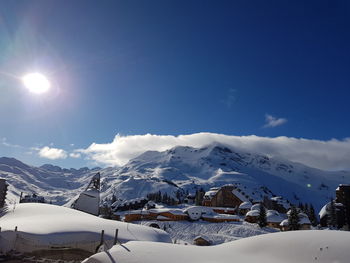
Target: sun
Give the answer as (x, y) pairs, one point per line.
(36, 83)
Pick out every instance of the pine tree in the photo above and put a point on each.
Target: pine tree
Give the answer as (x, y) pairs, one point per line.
(262, 221)
(332, 215)
(306, 209)
(312, 216)
(293, 219)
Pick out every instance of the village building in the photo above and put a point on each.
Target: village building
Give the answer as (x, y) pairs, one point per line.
(252, 216)
(201, 241)
(325, 212)
(284, 225)
(255, 207)
(135, 215)
(190, 199)
(244, 207)
(172, 214)
(225, 196)
(304, 222)
(273, 218)
(343, 197)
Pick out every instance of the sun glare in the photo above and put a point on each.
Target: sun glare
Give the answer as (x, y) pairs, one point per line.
(36, 83)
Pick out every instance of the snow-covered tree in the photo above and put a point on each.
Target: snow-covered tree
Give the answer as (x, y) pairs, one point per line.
(312, 216)
(293, 219)
(262, 221)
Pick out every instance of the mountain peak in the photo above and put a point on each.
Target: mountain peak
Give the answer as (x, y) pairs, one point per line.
(10, 161)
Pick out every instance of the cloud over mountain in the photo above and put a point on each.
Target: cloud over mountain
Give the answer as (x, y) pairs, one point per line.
(52, 153)
(328, 155)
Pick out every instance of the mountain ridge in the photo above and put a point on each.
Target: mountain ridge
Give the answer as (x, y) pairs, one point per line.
(184, 169)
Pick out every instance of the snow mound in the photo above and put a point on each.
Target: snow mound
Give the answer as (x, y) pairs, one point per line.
(44, 226)
(287, 247)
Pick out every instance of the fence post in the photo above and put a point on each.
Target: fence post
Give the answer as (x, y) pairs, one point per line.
(102, 236)
(115, 237)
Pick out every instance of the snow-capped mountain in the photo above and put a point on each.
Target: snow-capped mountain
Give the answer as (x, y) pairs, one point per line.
(180, 170)
(52, 182)
(256, 175)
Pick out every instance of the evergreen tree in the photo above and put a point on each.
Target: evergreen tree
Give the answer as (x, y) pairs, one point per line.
(306, 209)
(179, 196)
(262, 221)
(293, 219)
(312, 216)
(165, 198)
(301, 206)
(332, 215)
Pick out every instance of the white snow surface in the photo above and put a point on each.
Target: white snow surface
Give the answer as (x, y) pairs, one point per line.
(217, 233)
(41, 226)
(288, 247)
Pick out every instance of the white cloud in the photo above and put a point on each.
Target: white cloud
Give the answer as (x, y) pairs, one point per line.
(330, 155)
(75, 155)
(52, 153)
(8, 144)
(271, 121)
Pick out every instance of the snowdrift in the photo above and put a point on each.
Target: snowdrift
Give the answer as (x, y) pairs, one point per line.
(48, 227)
(287, 247)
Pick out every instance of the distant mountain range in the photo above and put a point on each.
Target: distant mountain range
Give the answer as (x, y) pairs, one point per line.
(181, 169)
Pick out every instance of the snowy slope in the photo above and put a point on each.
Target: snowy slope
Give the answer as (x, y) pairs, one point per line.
(54, 183)
(186, 168)
(43, 226)
(181, 169)
(216, 233)
(286, 247)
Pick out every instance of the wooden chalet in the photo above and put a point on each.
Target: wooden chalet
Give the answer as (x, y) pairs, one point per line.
(225, 196)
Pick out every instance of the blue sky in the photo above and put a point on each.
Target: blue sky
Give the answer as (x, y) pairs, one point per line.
(265, 68)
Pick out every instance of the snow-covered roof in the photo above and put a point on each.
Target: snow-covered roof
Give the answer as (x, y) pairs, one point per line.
(324, 210)
(240, 195)
(304, 220)
(273, 216)
(255, 207)
(285, 222)
(253, 213)
(245, 205)
(210, 193)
